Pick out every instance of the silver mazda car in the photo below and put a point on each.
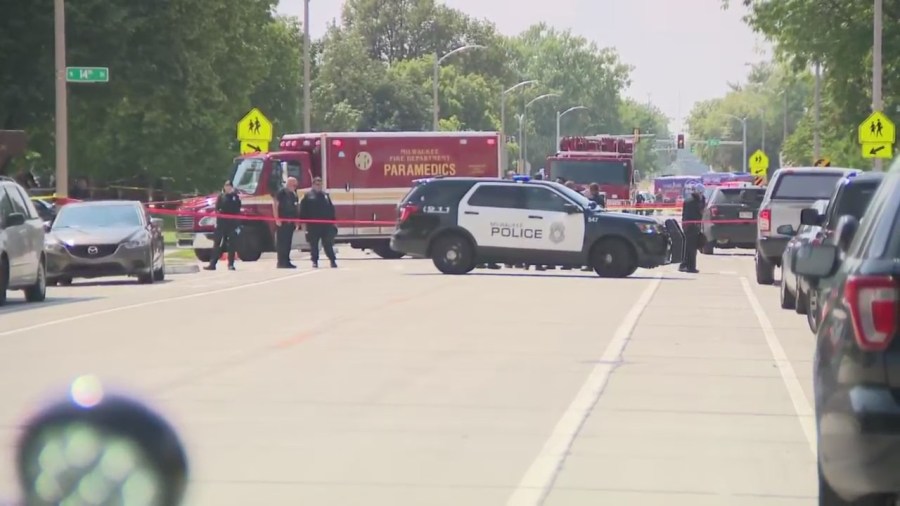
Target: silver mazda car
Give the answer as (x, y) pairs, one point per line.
(105, 238)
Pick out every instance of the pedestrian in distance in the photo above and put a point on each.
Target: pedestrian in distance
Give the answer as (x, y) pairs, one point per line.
(691, 215)
(317, 207)
(286, 211)
(227, 229)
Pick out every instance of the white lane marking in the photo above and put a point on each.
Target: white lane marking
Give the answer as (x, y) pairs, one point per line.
(802, 406)
(540, 477)
(150, 303)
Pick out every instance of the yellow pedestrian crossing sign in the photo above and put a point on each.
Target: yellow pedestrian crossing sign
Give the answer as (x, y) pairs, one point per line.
(254, 126)
(877, 129)
(759, 163)
(250, 147)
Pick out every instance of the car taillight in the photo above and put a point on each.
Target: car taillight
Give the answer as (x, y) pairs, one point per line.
(714, 211)
(874, 303)
(407, 211)
(765, 220)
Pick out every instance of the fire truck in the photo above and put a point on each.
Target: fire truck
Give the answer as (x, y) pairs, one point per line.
(605, 159)
(366, 174)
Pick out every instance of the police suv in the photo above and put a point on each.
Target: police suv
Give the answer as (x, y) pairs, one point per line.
(462, 222)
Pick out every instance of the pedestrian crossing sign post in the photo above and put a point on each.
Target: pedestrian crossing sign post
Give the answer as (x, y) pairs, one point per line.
(254, 131)
(877, 136)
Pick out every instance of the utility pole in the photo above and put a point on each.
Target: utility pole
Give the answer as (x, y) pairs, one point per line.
(877, 103)
(62, 109)
(817, 141)
(307, 106)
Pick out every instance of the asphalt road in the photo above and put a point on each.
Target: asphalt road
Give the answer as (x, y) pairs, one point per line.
(386, 383)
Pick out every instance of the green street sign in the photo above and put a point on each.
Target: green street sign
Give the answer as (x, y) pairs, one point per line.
(87, 74)
(712, 143)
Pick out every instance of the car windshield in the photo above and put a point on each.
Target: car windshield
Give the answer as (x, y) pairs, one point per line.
(753, 196)
(572, 194)
(802, 186)
(246, 174)
(97, 216)
(585, 172)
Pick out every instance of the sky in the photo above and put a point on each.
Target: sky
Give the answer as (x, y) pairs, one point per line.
(682, 51)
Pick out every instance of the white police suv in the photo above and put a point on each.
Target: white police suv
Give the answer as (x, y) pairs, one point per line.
(462, 222)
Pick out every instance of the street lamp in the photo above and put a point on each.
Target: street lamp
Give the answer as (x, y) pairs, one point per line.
(524, 151)
(436, 78)
(744, 141)
(559, 116)
(503, 160)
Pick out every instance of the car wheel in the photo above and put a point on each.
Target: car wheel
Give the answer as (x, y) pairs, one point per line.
(802, 305)
(788, 300)
(160, 274)
(811, 315)
(385, 252)
(709, 248)
(38, 291)
(765, 270)
(146, 278)
(4, 280)
(249, 246)
(613, 258)
(453, 254)
(204, 255)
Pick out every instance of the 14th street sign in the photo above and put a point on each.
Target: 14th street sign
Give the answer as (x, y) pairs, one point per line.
(87, 74)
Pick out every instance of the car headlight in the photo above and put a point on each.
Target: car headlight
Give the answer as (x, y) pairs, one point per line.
(649, 228)
(138, 242)
(209, 221)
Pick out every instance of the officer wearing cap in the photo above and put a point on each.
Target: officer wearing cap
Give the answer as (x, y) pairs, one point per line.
(318, 208)
(691, 215)
(227, 229)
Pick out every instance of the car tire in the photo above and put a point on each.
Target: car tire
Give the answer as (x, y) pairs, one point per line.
(146, 278)
(613, 258)
(709, 248)
(765, 270)
(249, 246)
(64, 281)
(385, 252)
(802, 305)
(38, 291)
(788, 300)
(4, 280)
(204, 255)
(160, 274)
(453, 254)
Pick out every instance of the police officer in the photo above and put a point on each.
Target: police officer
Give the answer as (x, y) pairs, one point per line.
(227, 229)
(316, 206)
(284, 208)
(691, 215)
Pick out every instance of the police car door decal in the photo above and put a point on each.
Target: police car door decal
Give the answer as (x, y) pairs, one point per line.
(488, 214)
(561, 231)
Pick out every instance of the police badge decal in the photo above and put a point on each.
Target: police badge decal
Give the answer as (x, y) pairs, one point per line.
(557, 233)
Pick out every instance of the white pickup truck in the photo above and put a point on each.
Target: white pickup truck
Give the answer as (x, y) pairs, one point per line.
(790, 191)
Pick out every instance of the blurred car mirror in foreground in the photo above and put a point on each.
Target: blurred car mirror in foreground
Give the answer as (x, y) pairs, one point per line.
(102, 449)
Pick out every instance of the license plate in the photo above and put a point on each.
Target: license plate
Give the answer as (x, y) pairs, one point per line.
(746, 215)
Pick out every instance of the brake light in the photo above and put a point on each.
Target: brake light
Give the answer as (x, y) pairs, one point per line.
(337, 143)
(407, 211)
(714, 211)
(765, 220)
(874, 303)
(491, 141)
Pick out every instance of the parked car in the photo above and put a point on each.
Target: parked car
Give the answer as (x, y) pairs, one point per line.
(806, 234)
(851, 198)
(856, 374)
(22, 262)
(729, 205)
(105, 238)
(789, 191)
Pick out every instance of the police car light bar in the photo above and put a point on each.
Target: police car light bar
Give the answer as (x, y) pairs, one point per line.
(521, 179)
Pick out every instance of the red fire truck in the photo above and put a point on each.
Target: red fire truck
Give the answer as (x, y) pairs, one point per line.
(366, 174)
(605, 159)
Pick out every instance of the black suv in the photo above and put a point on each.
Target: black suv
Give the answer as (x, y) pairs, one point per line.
(462, 222)
(729, 220)
(857, 360)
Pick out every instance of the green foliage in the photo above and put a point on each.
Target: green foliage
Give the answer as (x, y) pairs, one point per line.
(184, 71)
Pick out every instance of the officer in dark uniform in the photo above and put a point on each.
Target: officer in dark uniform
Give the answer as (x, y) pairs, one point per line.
(317, 206)
(284, 207)
(227, 229)
(691, 215)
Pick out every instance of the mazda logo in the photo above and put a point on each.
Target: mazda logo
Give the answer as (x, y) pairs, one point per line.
(92, 250)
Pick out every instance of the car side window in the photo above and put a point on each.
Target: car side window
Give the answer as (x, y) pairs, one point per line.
(5, 206)
(867, 242)
(501, 196)
(542, 199)
(22, 203)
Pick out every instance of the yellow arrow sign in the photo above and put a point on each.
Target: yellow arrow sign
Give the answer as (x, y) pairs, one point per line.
(250, 147)
(877, 129)
(759, 162)
(878, 150)
(254, 126)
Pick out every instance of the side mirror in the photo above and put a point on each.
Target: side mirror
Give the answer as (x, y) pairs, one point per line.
(90, 432)
(815, 261)
(786, 230)
(572, 208)
(47, 226)
(845, 231)
(593, 205)
(15, 219)
(810, 217)
(157, 222)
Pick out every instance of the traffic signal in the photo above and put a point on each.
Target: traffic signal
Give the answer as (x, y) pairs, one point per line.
(680, 141)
